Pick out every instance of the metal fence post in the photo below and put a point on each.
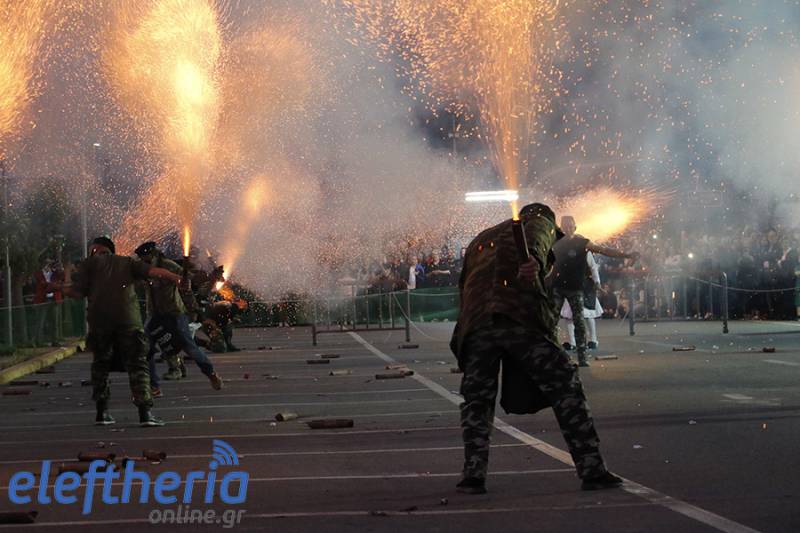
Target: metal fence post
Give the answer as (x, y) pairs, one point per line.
(632, 308)
(355, 309)
(408, 315)
(685, 297)
(391, 308)
(314, 323)
(724, 302)
(711, 296)
(380, 309)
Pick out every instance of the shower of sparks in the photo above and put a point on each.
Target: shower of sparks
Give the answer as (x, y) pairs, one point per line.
(22, 28)
(488, 58)
(163, 64)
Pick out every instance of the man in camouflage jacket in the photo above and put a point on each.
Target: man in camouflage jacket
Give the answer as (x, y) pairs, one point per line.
(507, 313)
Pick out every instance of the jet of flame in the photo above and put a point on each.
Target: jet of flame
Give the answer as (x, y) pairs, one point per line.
(163, 64)
(603, 213)
(22, 25)
(187, 241)
(253, 199)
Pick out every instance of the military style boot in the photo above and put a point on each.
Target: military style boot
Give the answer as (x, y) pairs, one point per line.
(103, 418)
(606, 480)
(173, 374)
(471, 485)
(147, 419)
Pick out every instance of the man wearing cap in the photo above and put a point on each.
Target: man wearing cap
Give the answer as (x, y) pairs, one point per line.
(167, 312)
(570, 273)
(506, 314)
(115, 323)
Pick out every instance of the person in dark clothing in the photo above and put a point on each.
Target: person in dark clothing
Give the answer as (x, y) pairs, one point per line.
(167, 312)
(506, 314)
(115, 323)
(570, 273)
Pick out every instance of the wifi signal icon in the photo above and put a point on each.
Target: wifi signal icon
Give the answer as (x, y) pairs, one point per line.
(223, 454)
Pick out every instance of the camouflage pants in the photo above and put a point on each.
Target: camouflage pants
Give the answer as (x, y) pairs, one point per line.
(130, 346)
(575, 300)
(556, 377)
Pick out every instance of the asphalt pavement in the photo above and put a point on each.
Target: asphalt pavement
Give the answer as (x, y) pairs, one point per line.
(706, 437)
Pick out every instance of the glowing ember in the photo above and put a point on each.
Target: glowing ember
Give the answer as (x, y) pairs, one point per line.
(603, 213)
(21, 30)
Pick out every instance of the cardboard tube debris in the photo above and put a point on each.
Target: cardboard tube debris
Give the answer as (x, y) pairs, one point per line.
(330, 423)
(768, 349)
(96, 456)
(16, 392)
(396, 367)
(47, 370)
(318, 361)
(684, 348)
(65, 384)
(86, 383)
(154, 455)
(269, 376)
(395, 375)
(18, 517)
(340, 372)
(328, 355)
(23, 383)
(408, 346)
(78, 468)
(606, 357)
(285, 417)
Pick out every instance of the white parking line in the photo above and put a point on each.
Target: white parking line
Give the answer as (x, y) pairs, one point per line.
(738, 397)
(261, 420)
(287, 454)
(189, 407)
(410, 475)
(779, 362)
(686, 509)
(158, 436)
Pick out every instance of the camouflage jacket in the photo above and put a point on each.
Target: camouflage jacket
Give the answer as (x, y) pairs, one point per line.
(489, 283)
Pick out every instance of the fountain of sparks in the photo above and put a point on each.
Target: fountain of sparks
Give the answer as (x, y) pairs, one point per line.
(489, 58)
(163, 64)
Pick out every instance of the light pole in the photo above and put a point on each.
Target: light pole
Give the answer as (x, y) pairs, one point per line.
(9, 318)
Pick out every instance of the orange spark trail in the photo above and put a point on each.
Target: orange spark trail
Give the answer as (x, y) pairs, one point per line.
(22, 25)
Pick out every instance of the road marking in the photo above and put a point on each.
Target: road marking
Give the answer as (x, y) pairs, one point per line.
(410, 475)
(686, 509)
(360, 513)
(779, 362)
(306, 417)
(738, 397)
(288, 454)
(309, 433)
(234, 406)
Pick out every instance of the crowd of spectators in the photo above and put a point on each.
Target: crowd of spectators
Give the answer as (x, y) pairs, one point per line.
(439, 267)
(761, 266)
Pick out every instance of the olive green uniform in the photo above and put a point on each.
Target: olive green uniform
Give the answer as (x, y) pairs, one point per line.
(115, 323)
(502, 317)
